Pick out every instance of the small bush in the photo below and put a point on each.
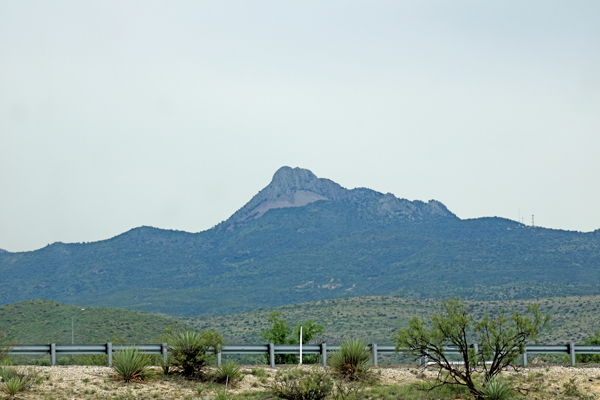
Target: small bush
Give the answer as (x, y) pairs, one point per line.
(352, 360)
(227, 373)
(590, 358)
(192, 351)
(131, 365)
(344, 390)
(302, 384)
(258, 372)
(496, 389)
(571, 389)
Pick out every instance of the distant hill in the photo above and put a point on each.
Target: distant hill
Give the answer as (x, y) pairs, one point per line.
(304, 238)
(3, 251)
(374, 318)
(42, 321)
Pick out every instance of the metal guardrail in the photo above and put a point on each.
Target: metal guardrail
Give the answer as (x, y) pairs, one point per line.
(55, 350)
(271, 350)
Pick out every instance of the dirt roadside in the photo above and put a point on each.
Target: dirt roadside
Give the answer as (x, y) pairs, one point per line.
(92, 382)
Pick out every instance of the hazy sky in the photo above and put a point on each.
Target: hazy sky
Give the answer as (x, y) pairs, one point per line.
(173, 114)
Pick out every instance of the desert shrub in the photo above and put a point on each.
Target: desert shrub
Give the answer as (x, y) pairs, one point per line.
(571, 389)
(352, 360)
(258, 372)
(14, 381)
(496, 389)
(590, 341)
(344, 390)
(227, 373)
(131, 365)
(193, 351)
(302, 384)
(501, 340)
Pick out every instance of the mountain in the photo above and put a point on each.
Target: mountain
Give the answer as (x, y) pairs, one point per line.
(3, 251)
(304, 238)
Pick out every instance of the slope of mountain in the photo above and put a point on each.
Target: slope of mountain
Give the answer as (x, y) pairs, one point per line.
(374, 318)
(302, 239)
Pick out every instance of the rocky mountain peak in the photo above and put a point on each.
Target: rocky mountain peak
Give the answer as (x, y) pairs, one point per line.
(297, 187)
(290, 187)
(288, 181)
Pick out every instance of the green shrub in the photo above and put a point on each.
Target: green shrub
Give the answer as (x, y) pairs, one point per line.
(192, 351)
(590, 358)
(571, 389)
(352, 360)
(496, 389)
(227, 373)
(131, 365)
(258, 372)
(302, 384)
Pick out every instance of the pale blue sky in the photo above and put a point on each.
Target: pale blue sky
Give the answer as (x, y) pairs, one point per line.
(117, 114)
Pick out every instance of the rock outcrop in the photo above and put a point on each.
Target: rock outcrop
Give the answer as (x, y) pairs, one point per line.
(297, 187)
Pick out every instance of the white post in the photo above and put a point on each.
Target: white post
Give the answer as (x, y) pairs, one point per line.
(300, 344)
(73, 326)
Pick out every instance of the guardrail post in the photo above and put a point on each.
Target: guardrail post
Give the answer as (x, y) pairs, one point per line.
(53, 353)
(374, 352)
(164, 349)
(324, 354)
(525, 357)
(109, 352)
(272, 355)
(572, 353)
(218, 359)
(476, 348)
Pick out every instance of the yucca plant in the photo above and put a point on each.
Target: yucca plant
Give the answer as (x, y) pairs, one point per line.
(496, 389)
(227, 373)
(14, 382)
(352, 360)
(192, 351)
(131, 365)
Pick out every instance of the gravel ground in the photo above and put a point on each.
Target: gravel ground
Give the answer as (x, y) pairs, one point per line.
(91, 382)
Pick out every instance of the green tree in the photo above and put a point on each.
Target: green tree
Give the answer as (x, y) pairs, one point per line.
(281, 333)
(501, 339)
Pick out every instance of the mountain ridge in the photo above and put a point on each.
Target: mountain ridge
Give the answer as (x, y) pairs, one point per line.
(298, 187)
(359, 244)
